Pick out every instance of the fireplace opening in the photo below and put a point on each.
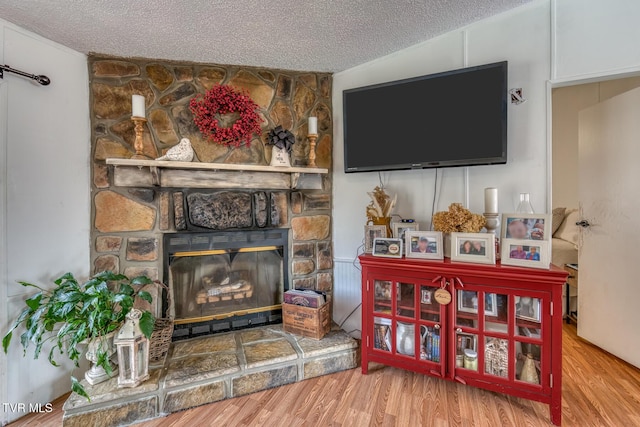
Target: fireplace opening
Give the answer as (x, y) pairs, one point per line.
(221, 281)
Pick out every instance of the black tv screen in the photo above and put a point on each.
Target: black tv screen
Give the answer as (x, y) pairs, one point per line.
(455, 118)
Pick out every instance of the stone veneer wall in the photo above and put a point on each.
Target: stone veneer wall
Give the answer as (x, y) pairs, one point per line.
(128, 223)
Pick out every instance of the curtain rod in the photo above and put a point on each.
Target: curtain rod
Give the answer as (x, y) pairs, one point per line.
(43, 80)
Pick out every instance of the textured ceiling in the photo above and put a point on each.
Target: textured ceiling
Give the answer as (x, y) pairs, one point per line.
(320, 35)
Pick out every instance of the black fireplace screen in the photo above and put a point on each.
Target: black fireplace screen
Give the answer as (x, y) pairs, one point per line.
(221, 281)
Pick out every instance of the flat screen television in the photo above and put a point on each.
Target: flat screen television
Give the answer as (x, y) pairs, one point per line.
(455, 118)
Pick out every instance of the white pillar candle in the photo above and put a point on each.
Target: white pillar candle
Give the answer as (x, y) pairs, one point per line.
(313, 125)
(138, 108)
(491, 200)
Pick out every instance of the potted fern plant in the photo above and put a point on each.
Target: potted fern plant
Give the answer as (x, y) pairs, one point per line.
(72, 315)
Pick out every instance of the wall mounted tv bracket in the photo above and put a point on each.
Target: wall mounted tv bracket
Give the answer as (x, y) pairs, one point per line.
(516, 96)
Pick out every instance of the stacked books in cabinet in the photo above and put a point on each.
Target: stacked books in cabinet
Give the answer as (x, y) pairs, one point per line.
(430, 348)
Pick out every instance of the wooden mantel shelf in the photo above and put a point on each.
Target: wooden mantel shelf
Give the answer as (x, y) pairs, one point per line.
(159, 173)
(212, 166)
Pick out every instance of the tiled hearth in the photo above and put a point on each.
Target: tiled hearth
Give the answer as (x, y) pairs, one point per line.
(212, 368)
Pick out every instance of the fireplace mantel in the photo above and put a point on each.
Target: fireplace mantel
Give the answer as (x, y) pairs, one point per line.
(158, 173)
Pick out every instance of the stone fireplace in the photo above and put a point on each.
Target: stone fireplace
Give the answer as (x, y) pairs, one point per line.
(138, 211)
(227, 233)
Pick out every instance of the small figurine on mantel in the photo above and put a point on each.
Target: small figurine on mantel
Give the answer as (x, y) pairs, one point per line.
(183, 152)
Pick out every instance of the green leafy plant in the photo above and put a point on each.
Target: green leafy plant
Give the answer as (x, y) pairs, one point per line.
(71, 314)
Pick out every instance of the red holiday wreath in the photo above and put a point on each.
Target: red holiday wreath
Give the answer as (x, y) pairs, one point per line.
(218, 101)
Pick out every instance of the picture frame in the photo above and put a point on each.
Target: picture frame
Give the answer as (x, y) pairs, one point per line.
(400, 228)
(528, 308)
(467, 302)
(521, 226)
(370, 233)
(382, 290)
(478, 248)
(424, 244)
(465, 341)
(425, 296)
(526, 253)
(389, 248)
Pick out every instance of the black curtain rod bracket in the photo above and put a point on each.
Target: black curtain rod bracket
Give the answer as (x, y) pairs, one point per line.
(43, 80)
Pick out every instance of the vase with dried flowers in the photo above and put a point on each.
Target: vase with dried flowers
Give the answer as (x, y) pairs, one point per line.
(380, 208)
(456, 219)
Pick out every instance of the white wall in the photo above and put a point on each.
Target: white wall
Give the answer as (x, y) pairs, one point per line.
(544, 41)
(521, 37)
(44, 194)
(595, 37)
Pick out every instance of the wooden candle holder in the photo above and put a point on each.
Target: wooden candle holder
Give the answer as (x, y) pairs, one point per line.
(312, 150)
(138, 144)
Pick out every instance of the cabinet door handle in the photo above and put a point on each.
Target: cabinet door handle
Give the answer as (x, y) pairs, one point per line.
(436, 373)
(459, 330)
(437, 327)
(459, 379)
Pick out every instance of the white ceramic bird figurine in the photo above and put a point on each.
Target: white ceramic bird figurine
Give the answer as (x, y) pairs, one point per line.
(183, 152)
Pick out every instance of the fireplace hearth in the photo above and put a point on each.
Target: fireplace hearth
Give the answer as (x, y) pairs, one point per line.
(223, 281)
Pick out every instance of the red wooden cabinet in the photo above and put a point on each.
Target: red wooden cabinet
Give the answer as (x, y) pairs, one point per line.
(502, 330)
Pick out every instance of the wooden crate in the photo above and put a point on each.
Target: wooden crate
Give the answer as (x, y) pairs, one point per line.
(308, 322)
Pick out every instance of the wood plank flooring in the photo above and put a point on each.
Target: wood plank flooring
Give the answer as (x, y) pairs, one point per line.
(599, 390)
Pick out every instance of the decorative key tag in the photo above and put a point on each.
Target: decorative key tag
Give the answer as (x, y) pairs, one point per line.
(442, 296)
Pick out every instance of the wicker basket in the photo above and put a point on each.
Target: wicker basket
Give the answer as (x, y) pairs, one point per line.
(160, 339)
(162, 331)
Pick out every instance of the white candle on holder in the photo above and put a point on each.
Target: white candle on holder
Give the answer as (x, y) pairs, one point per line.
(313, 125)
(491, 200)
(138, 108)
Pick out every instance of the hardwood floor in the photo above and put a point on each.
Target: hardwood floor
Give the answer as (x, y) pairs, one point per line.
(598, 390)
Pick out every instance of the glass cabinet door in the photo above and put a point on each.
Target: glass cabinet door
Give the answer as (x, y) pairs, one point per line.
(528, 332)
(431, 345)
(467, 321)
(496, 335)
(407, 319)
(382, 334)
(383, 304)
(406, 300)
(499, 334)
(382, 296)
(405, 326)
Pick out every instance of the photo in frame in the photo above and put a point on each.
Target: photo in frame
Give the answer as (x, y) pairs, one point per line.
(370, 233)
(382, 290)
(390, 248)
(526, 253)
(476, 248)
(424, 244)
(468, 302)
(425, 296)
(526, 226)
(400, 228)
(528, 308)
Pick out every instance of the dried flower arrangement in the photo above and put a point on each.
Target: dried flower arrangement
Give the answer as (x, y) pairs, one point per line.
(458, 219)
(381, 204)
